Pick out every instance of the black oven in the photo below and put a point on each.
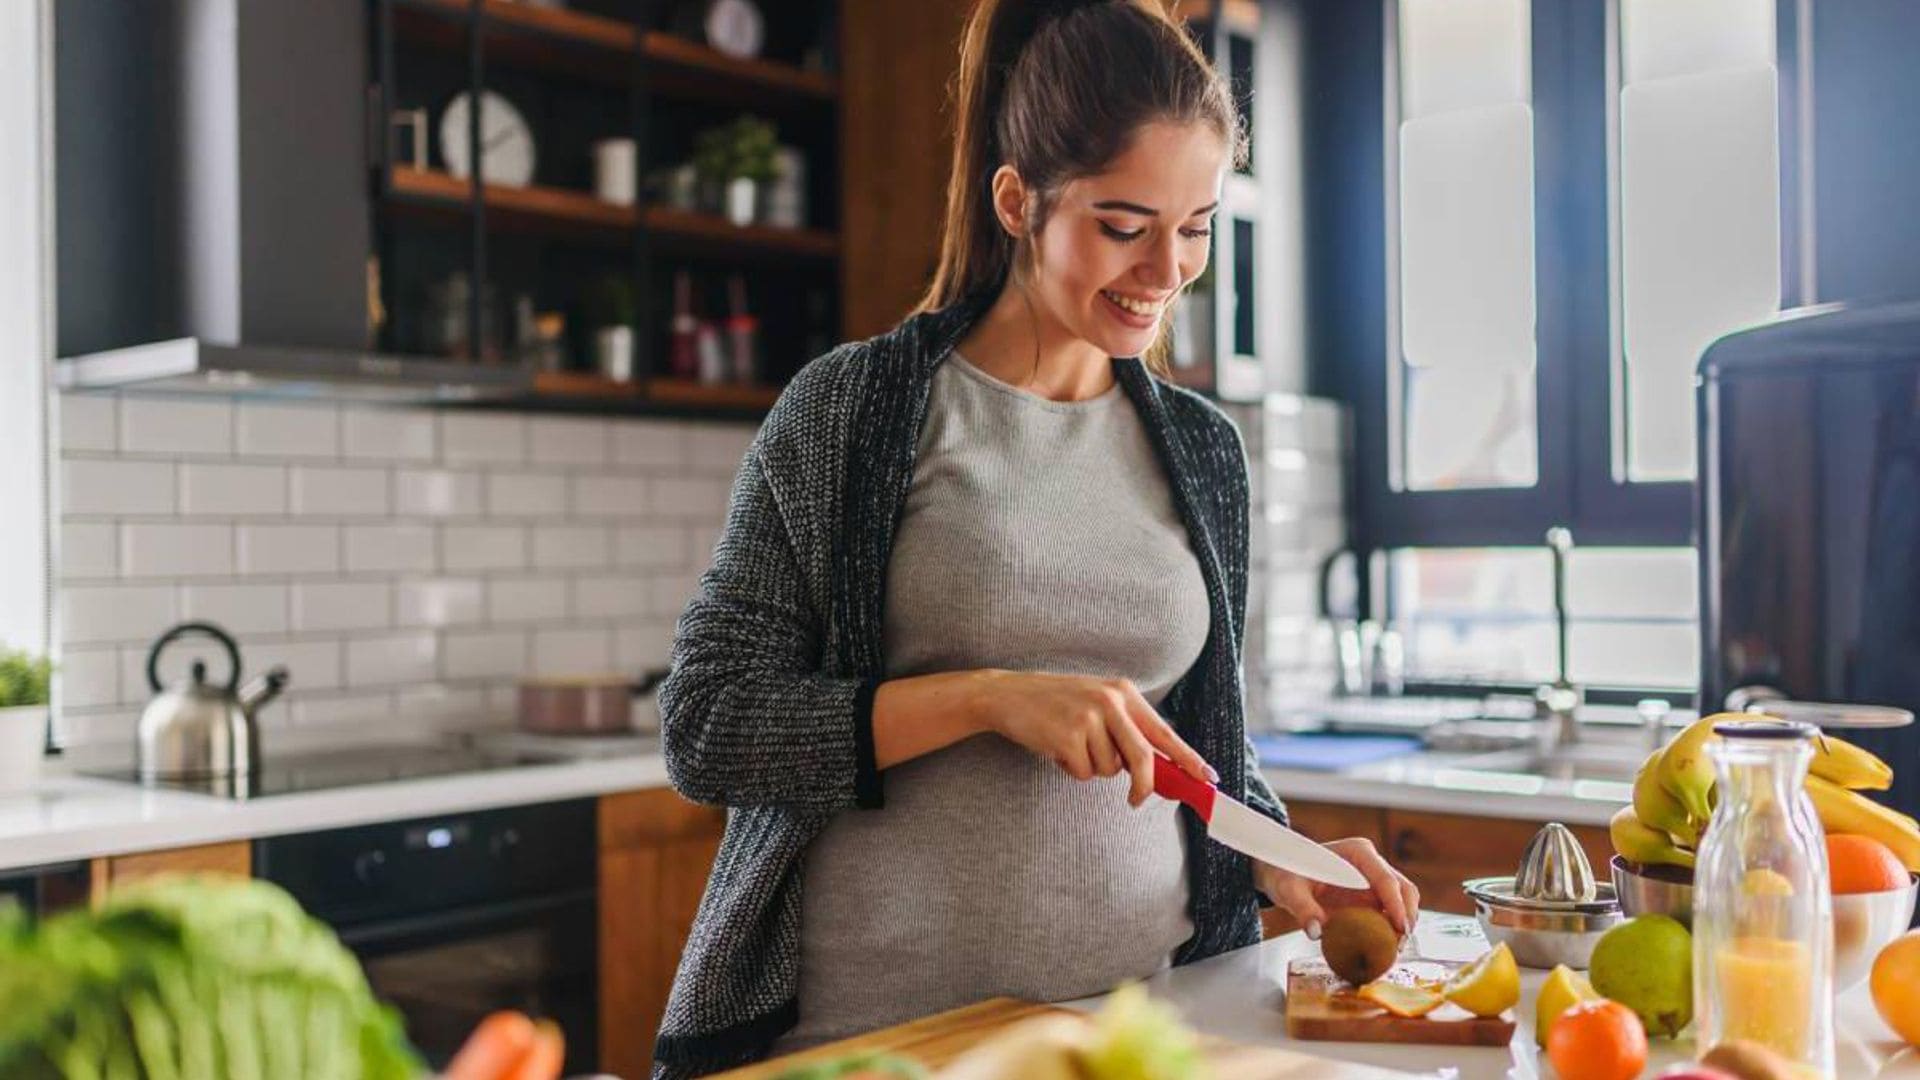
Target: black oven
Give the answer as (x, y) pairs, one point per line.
(457, 916)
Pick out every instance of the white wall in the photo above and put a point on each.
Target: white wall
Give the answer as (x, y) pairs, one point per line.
(25, 346)
(401, 562)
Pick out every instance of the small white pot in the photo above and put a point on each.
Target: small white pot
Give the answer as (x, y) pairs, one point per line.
(740, 200)
(613, 352)
(23, 742)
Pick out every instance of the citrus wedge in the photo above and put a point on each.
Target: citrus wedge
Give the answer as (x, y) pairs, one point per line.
(1489, 986)
(1563, 989)
(1400, 999)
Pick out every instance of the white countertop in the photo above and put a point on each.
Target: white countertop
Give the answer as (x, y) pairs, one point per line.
(1241, 995)
(73, 817)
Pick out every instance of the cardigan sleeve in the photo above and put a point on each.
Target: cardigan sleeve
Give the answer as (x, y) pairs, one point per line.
(747, 718)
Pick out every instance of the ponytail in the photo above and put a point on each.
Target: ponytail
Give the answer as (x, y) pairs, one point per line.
(1056, 89)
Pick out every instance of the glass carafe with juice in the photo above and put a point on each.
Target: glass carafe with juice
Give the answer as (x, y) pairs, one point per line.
(1762, 914)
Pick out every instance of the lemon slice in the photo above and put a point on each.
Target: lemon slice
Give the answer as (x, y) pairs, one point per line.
(1489, 986)
(1399, 998)
(1761, 881)
(1563, 989)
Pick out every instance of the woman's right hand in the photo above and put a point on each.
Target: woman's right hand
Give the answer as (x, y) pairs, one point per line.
(1091, 727)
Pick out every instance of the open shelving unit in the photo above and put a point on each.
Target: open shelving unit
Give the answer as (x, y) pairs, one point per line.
(595, 69)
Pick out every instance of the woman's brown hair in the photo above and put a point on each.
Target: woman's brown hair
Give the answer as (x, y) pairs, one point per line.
(1057, 89)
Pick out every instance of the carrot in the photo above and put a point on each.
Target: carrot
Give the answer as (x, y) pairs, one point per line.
(544, 1060)
(499, 1043)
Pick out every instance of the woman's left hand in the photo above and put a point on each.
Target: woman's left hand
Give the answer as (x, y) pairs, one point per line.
(1308, 901)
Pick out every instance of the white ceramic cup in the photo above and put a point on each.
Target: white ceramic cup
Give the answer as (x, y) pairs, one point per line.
(616, 170)
(23, 738)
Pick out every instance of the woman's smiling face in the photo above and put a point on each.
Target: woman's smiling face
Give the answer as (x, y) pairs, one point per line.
(1118, 247)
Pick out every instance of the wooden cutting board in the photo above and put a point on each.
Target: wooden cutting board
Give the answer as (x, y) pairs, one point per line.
(935, 1040)
(1320, 1005)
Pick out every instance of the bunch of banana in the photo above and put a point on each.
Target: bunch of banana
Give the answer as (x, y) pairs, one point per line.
(1673, 796)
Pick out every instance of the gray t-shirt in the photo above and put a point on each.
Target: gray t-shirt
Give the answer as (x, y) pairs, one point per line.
(1038, 536)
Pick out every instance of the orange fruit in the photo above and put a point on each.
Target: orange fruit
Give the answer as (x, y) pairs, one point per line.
(1861, 864)
(1895, 983)
(1597, 1040)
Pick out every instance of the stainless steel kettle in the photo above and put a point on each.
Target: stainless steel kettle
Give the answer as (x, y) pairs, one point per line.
(196, 729)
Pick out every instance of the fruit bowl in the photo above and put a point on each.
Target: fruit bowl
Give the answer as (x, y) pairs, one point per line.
(1863, 923)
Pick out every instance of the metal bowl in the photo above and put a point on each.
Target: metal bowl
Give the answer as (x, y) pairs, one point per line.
(1542, 934)
(1863, 923)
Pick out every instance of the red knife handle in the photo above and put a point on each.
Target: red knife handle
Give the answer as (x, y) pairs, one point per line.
(1170, 781)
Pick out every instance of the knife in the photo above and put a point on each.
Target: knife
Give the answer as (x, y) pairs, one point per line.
(1249, 832)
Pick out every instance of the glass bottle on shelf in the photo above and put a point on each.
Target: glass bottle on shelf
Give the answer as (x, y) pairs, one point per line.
(1762, 912)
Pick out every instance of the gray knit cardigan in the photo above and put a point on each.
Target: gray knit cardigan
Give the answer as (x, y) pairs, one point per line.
(768, 710)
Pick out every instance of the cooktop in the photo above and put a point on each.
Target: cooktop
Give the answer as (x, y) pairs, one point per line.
(321, 770)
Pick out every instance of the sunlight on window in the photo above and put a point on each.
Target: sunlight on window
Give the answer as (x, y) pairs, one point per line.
(1465, 380)
(1699, 210)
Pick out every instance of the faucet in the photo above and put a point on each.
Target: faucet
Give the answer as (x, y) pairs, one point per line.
(1560, 699)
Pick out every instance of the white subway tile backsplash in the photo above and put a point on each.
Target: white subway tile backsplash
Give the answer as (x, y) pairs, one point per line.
(526, 495)
(698, 499)
(311, 665)
(321, 491)
(440, 602)
(376, 434)
(264, 429)
(672, 592)
(342, 605)
(114, 613)
(610, 597)
(718, 448)
(654, 443)
(701, 542)
(342, 708)
(651, 546)
(89, 677)
(482, 438)
(289, 549)
(373, 548)
(437, 493)
(231, 490)
(572, 652)
(570, 546)
(440, 700)
(643, 646)
(557, 440)
(160, 550)
(483, 654)
(174, 426)
(483, 547)
(89, 550)
(88, 422)
(238, 609)
(609, 496)
(98, 486)
(392, 660)
(526, 599)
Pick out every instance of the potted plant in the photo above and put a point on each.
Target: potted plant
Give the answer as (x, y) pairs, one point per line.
(614, 314)
(737, 159)
(25, 680)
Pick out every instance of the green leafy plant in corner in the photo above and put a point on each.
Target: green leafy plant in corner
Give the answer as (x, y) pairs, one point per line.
(746, 148)
(24, 679)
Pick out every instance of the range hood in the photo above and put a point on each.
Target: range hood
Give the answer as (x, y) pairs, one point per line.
(231, 253)
(189, 365)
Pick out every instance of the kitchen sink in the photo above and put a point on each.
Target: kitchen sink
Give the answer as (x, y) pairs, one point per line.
(1611, 762)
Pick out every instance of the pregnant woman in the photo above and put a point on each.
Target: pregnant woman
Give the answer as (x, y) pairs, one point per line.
(976, 571)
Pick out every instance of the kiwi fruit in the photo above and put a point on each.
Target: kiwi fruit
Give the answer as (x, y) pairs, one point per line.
(1359, 944)
(1748, 1060)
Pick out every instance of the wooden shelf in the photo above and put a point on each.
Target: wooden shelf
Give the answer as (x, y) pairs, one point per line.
(561, 40)
(679, 394)
(535, 207)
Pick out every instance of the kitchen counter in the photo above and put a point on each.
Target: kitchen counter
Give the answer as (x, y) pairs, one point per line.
(74, 817)
(1241, 996)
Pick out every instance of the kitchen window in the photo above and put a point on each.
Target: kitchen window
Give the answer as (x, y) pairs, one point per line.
(1572, 198)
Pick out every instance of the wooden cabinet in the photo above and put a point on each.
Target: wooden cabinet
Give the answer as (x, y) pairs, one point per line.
(112, 871)
(656, 850)
(1439, 851)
